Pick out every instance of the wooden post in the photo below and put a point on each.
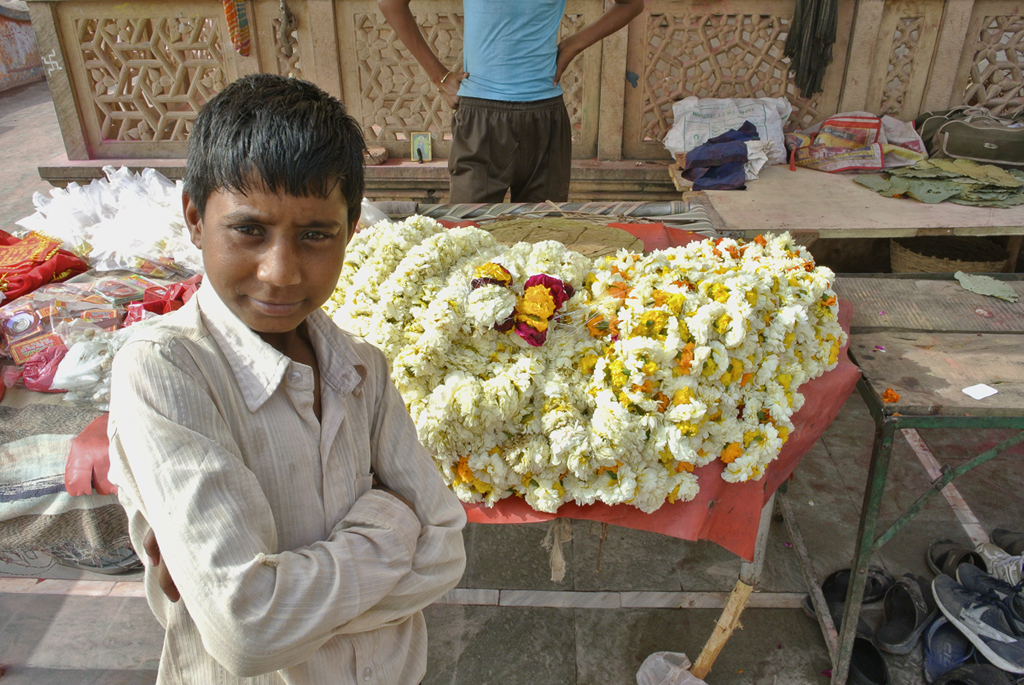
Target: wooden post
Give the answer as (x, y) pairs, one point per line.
(727, 622)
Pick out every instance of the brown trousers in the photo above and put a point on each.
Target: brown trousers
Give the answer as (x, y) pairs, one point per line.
(522, 146)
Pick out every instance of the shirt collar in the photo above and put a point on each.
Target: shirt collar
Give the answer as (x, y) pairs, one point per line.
(259, 368)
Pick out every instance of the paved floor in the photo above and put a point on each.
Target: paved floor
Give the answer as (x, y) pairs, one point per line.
(79, 628)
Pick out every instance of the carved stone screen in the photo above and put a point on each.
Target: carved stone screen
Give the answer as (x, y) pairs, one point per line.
(683, 50)
(991, 69)
(143, 77)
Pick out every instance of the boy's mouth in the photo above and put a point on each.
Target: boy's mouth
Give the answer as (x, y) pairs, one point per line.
(276, 308)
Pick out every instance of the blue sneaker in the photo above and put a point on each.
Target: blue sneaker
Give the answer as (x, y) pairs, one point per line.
(976, 580)
(945, 648)
(983, 621)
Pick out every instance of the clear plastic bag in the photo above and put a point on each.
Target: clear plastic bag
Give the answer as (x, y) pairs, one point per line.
(370, 215)
(666, 668)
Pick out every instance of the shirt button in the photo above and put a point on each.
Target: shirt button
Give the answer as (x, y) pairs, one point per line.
(295, 376)
(367, 673)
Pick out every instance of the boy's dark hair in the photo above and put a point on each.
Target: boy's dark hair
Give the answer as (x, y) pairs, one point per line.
(286, 133)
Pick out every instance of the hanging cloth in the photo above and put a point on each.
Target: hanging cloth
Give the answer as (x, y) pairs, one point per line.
(238, 25)
(809, 43)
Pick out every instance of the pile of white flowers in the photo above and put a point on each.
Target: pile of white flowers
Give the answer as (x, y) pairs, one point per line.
(654, 365)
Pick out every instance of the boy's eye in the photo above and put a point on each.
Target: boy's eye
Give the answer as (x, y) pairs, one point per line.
(247, 229)
(316, 235)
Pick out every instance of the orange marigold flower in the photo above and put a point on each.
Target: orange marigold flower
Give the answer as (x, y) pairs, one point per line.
(760, 240)
(890, 396)
(731, 452)
(599, 327)
(684, 466)
(746, 379)
(619, 291)
(663, 401)
(464, 472)
(685, 358)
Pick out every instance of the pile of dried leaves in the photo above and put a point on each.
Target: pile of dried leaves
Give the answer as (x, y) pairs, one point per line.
(961, 181)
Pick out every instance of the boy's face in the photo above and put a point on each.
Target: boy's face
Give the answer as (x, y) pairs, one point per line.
(273, 259)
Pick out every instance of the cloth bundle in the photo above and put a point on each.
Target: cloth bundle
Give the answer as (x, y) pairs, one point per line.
(722, 162)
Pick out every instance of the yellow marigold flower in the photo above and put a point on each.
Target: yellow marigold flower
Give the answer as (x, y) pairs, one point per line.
(788, 340)
(495, 272)
(672, 496)
(785, 379)
(748, 437)
(684, 331)
(559, 489)
(665, 456)
(688, 429)
(586, 364)
(719, 293)
(731, 452)
(537, 302)
(709, 368)
(651, 325)
(752, 297)
(783, 433)
(650, 368)
(722, 324)
(681, 396)
(619, 374)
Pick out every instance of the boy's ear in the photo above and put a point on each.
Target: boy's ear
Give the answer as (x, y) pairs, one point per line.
(193, 220)
(352, 227)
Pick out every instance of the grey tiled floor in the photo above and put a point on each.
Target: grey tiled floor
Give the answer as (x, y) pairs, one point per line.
(72, 639)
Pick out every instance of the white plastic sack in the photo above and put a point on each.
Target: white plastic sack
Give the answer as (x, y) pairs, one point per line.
(699, 119)
(666, 668)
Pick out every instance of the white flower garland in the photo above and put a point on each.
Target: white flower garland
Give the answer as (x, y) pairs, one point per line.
(655, 364)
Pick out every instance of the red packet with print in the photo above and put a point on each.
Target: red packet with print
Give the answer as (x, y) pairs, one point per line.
(35, 260)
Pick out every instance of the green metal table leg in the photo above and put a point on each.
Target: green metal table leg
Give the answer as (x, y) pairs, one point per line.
(885, 432)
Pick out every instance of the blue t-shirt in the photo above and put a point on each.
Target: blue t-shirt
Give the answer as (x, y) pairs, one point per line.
(510, 49)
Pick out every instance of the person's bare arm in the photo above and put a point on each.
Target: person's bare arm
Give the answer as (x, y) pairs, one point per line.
(611, 21)
(400, 18)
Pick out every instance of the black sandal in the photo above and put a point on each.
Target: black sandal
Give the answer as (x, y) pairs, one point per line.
(835, 586)
(908, 609)
(945, 555)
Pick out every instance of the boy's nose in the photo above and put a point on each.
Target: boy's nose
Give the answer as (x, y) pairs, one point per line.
(279, 265)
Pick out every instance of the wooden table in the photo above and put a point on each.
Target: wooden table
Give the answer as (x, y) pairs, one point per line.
(814, 204)
(938, 339)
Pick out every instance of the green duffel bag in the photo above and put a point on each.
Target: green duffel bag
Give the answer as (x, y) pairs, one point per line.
(973, 133)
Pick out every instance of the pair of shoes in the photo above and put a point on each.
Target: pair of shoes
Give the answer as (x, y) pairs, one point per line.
(976, 580)
(983, 621)
(908, 609)
(945, 648)
(976, 674)
(1009, 540)
(835, 586)
(1002, 564)
(945, 555)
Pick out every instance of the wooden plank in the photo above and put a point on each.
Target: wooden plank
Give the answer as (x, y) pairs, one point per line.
(928, 305)
(930, 370)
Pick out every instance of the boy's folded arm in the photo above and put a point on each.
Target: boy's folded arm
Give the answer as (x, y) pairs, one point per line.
(404, 465)
(256, 611)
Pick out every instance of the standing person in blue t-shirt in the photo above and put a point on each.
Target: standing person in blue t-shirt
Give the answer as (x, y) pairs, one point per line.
(510, 128)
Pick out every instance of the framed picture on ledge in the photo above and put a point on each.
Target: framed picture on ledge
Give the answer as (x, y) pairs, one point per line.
(420, 146)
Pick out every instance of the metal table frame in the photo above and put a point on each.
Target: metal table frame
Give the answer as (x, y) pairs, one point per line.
(888, 421)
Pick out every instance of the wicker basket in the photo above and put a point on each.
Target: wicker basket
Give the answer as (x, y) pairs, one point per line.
(946, 254)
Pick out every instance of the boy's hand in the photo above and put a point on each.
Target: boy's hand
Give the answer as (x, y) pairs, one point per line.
(450, 88)
(567, 52)
(162, 574)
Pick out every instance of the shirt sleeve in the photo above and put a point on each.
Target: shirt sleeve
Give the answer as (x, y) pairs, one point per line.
(402, 464)
(257, 610)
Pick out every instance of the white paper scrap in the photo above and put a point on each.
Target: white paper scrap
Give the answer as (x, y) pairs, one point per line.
(980, 391)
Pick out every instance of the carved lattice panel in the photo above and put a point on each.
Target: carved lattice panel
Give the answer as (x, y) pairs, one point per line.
(680, 54)
(396, 97)
(900, 69)
(147, 77)
(995, 78)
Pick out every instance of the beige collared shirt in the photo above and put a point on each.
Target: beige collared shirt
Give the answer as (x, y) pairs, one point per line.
(291, 568)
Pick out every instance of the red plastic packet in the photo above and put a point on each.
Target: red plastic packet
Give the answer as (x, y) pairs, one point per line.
(163, 299)
(41, 367)
(29, 262)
